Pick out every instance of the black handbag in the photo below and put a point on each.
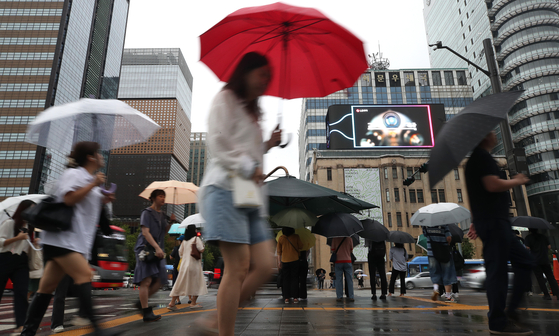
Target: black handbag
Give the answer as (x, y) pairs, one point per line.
(334, 255)
(150, 254)
(441, 251)
(50, 215)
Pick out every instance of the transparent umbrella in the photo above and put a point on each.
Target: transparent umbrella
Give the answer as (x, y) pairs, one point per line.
(109, 122)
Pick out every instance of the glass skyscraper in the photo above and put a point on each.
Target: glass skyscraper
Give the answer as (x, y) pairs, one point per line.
(525, 35)
(447, 86)
(156, 82)
(52, 52)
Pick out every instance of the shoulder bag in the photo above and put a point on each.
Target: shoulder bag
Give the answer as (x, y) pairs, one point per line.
(194, 252)
(35, 257)
(457, 258)
(301, 258)
(441, 251)
(50, 215)
(246, 194)
(334, 255)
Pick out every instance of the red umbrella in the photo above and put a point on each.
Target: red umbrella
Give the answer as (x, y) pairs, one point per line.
(310, 55)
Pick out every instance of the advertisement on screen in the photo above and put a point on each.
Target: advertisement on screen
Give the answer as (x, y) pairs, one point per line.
(383, 126)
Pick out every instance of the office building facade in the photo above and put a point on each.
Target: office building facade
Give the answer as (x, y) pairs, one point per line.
(52, 52)
(525, 36)
(447, 86)
(199, 159)
(156, 82)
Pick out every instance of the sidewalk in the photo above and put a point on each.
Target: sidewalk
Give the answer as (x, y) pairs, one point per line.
(322, 315)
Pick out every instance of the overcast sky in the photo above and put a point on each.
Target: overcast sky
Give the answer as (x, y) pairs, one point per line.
(397, 25)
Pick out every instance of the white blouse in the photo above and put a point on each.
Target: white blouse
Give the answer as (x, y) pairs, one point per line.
(7, 232)
(80, 236)
(234, 141)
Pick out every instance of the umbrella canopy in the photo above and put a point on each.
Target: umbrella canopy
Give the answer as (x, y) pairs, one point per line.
(9, 205)
(400, 237)
(465, 131)
(176, 192)
(109, 122)
(291, 192)
(337, 225)
(422, 242)
(358, 270)
(531, 223)
(456, 232)
(176, 229)
(355, 239)
(307, 238)
(195, 219)
(305, 49)
(295, 218)
(373, 230)
(440, 214)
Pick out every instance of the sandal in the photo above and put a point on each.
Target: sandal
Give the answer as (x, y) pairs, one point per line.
(295, 301)
(173, 307)
(286, 301)
(196, 306)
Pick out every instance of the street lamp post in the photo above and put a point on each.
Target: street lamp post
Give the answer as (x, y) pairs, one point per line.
(516, 157)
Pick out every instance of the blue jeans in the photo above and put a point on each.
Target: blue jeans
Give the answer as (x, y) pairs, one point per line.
(341, 269)
(444, 273)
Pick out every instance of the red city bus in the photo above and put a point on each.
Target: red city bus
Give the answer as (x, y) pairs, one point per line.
(108, 259)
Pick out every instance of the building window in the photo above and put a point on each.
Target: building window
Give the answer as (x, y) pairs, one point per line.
(385, 172)
(459, 11)
(466, 48)
(410, 171)
(409, 79)
(470, 28)
(329, 174)
(423, 78)
(436, 78)
(442, 198)
(408, 221)
(396, 195)
(399, 219)
(394, 173)
(448, 78)
(389, 219)
(412, 196)
(463, 36)
(456, 174)
(404, 193)
(387, 195)
(420, 196)
(459, 193)
(434, 198)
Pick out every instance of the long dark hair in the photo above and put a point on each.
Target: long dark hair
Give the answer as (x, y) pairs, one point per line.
(288, 231)
(400, 245)
(190, 232)
(78, 157)
(18, 220)
(237, 82)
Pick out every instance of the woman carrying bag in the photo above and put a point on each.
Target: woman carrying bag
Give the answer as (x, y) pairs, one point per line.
(68, 252)
(14, 261)
(190, 280)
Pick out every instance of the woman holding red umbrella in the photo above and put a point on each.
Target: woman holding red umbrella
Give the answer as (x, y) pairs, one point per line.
(235, 141)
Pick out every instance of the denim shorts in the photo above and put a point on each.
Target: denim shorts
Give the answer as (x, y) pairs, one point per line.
(225, 222)
(442, 271)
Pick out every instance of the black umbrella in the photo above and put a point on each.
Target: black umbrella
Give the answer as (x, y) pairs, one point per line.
(400, 237)
(290, 192)
(531, 223)
(466, 130)
(457, 233)
(374, 230)
(337, 225)
(354, 238)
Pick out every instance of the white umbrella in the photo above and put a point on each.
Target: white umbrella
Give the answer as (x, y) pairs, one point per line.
(195, 219)
(176, 192)
(9, 205)
(109, 122)
(440, 214)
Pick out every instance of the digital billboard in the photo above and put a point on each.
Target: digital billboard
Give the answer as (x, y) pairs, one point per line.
(383, 126)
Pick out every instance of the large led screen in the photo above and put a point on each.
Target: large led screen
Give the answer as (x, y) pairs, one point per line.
(383, 126)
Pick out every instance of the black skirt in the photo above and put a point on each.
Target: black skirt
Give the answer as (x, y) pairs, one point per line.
(50, 252)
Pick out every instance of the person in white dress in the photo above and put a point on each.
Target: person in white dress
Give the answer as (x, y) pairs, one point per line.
(190, 280)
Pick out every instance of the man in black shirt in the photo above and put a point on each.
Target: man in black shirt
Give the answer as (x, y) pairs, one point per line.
(490, 212)
(538, 244)
(375, 258)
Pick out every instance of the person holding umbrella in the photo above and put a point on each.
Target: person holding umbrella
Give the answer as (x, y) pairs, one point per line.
(538, 244)
(489, 202)
(399, 258)
(288, 248)
(441, 263)
(376, 259)
(342, 248)
(235, 140)
(320, 276)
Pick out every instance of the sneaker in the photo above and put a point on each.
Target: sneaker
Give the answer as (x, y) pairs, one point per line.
(383, 297)
(351, 300)
(338, 300)
(450, 299)
(374, 297)
(512, 329)
(456, 296)
(435, 296)
(58, 329)
(80, 321)
(530, 293)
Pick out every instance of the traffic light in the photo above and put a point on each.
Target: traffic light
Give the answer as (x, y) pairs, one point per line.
(424, 167)
(409, 180)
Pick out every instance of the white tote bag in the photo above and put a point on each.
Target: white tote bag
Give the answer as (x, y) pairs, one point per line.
(246, 194)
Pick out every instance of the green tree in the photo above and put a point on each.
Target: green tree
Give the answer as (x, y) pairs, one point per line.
(210, 256)
(130, 242)
(467, 249)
